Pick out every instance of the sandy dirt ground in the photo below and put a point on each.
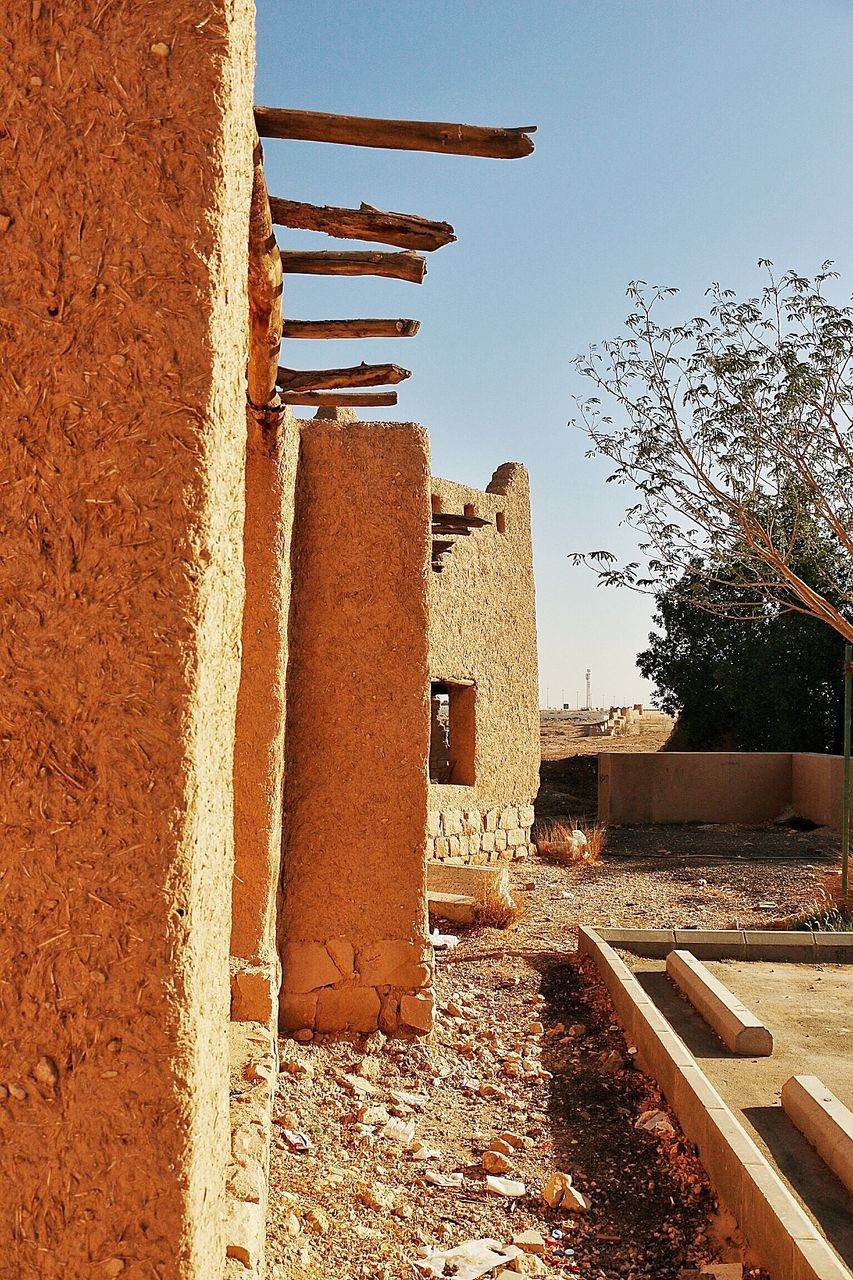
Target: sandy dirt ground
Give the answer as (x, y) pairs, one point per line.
(562, 738)
(569, 769)
(809, 1011)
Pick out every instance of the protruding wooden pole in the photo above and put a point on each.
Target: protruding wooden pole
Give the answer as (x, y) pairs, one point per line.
(397, 135)
(264, 293)
(403, 229)
(361, 375)
(395, 266)
(351, 328)
(345, 399)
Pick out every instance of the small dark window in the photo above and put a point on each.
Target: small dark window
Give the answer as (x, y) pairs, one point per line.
(469, 509)
(452, 733)
(500, 522)
(436, 504)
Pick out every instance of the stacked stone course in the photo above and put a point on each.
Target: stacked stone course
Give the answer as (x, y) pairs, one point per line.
(480, 836)
(333, 986)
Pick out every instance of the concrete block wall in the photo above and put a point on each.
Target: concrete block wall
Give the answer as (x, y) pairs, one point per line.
(718, 786)
(480, 836)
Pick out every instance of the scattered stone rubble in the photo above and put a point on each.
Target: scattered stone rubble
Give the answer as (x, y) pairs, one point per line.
(484, 1147)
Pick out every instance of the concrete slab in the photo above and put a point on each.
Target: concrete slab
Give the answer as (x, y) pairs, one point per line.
(810, 1008)
(789, 1240)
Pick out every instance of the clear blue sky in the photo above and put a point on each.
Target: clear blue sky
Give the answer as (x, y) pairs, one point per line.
(678, 142)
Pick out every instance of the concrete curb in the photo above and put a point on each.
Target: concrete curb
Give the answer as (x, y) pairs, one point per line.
(735, 944)
(737, 1027)
(824, 1121)
(789, 1244)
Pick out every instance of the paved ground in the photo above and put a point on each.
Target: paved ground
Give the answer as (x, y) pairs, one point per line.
(809, 1010)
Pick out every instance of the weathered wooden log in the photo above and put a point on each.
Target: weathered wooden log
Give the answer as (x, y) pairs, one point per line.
(351, 328)
(395, 266)
(403, 229)
(396, 135)
(264, 293)
(346, 399)
(453, 519)
(360, 375)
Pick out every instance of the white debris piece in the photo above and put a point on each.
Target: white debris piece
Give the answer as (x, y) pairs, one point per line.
(467, 1261)
(399, 1130)
(421, 1151)
(508, 1188)
(443, 941)
(654, 1122)
(437, 1179)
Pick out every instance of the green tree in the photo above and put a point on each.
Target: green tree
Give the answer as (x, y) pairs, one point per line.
(727, 425)
(761, 684)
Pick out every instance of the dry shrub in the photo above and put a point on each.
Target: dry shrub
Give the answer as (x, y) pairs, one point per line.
(552, 833)
(556, 840)
(821, 916)
(497, 911)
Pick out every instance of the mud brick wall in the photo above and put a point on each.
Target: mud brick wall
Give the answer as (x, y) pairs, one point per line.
(470, 835)
(352, 921)
(482, 631)
(125, 149)
(271, 456)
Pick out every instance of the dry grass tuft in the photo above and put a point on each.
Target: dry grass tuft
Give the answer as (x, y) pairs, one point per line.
(498, 912)
(596, 839)
(822, 916)
(557, 840)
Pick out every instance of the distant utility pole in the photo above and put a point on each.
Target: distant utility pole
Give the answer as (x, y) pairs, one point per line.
(588, 702)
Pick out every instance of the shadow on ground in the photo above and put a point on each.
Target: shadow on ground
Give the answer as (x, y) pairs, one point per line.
(649, 1203)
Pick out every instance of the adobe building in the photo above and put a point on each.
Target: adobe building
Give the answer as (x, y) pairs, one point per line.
(218, 651)
(484, 732)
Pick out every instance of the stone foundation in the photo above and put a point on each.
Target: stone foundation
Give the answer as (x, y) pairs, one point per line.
(333, 986)
(480, 836)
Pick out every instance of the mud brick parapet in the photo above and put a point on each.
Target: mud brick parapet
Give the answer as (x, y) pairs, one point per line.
(334, 986)
(480, 836)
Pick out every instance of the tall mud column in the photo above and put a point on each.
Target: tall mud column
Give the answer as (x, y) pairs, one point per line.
(352, 924)
(126, 153)
(271, 454)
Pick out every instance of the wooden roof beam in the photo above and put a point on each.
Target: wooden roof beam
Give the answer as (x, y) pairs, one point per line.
(346, 399)
(351, 328)
(450, 519)
(361, 375)
(394, 266)
(264, 293)
(403, 229)
(395, 135)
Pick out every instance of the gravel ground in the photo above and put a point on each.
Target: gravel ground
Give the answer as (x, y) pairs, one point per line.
(526, 1043)
(524, 1047)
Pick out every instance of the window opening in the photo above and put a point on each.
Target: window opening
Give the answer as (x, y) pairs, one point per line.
(452, 733)
(500, 522)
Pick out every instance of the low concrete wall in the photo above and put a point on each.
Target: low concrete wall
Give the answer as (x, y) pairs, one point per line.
(818, 788)
(693, 786)
(718, 786)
